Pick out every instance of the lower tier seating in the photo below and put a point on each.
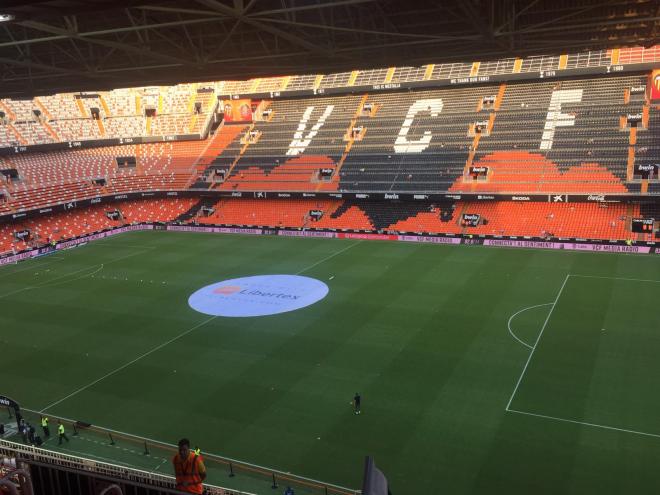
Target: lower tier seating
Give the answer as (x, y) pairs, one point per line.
(293, 213)
(581, 220)
(73, 223)
(577, 220)
(606, 221)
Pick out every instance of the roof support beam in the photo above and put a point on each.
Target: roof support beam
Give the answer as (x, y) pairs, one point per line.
(88, 34)
(107, 43)
(214, 4)
(37, 65)
(318, 6)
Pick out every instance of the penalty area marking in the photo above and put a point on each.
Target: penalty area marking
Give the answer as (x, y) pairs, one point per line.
(508, 323)
(48, 284)
(533, 348)
(617, 278)
(32, 267)
(51, 284)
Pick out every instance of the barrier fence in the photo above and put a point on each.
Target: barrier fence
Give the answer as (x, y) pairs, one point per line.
(160, 483)
(239, 477)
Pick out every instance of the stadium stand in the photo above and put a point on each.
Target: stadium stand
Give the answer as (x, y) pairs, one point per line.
(358, 151)
(424, 141)
(580, 220)
(602, 221)
(59, 176)
(288, 213)
(313, 127)
(539, 220)
(591, 136)
(181, 109)
(74, 223)
(211, 158)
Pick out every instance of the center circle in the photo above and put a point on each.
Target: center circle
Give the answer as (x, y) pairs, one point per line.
(259, 295)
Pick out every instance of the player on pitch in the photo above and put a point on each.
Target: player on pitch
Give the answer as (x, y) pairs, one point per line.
(356, 403)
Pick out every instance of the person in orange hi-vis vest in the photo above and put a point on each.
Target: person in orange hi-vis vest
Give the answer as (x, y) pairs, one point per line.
(189, 469)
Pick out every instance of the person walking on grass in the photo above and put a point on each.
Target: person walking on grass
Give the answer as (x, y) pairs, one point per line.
(60, 433)
(356, 403)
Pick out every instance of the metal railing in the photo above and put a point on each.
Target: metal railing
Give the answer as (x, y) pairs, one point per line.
(259, 475)
(31, 454)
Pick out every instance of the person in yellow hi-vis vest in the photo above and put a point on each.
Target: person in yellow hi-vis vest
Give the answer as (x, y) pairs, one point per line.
(60, 432)
(44, 426)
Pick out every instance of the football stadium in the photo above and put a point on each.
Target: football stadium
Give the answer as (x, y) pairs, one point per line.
(329, 247)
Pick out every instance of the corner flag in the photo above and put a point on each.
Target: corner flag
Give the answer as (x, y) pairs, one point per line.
(375, 482)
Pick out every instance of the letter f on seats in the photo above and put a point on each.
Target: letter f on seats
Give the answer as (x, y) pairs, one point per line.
(555, 118)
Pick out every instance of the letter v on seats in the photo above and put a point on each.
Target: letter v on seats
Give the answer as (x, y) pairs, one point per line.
(299, 143)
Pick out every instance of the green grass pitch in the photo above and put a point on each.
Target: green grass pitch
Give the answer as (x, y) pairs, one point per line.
(458, 396)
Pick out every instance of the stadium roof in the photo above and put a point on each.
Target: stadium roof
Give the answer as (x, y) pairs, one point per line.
(74, 45)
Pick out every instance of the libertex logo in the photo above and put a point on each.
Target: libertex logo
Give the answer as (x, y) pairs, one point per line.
(258, 295)
(227, 290)
(233, 289)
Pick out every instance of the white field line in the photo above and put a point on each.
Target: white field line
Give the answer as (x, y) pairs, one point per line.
(159, 465)
(508, 323)
(116, 370)
(624, 430)
(32, 267)
(114, 260)
(104, 459)
(617, 278)
(554, 304)
(51, 284)
(117, 244)
(160, 346)
(328, 257)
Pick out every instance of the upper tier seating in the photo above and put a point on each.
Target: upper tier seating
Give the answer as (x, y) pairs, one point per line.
(63, 176)
(543, 137)
(68, 117)
(275, 161)
(548, 136)
(522, 172)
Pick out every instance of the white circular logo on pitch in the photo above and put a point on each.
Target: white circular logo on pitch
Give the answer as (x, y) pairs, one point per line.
(260, 295)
